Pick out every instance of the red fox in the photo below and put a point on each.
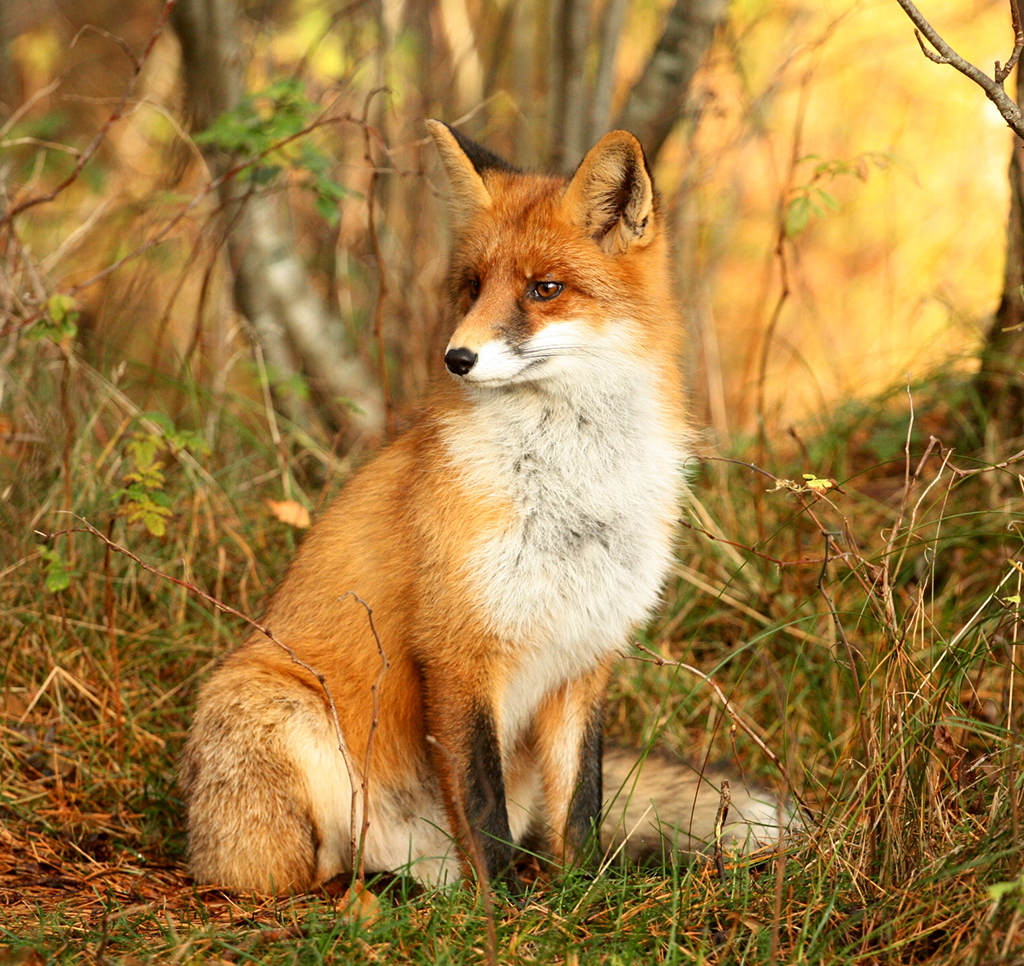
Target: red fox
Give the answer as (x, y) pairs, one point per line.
(508, 543)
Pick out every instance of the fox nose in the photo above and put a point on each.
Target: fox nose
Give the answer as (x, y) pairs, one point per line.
(460, 361)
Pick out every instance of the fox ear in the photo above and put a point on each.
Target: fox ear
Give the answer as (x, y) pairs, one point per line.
(465, 162)
(611, 195)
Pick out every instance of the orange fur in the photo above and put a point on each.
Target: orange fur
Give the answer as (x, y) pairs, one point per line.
(478, 538)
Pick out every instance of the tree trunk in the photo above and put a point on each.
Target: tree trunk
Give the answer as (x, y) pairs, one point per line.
(570, 33)
(658, 98)
(1000, 381)
(297, 329)
(613, 20)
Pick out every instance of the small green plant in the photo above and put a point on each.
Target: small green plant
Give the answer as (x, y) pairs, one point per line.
(810, 200)
(55, 567)
(272, 127)
(59, 322)
(143, 498)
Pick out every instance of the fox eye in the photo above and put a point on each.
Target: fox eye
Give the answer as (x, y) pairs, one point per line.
(544, 291)
(473, 287)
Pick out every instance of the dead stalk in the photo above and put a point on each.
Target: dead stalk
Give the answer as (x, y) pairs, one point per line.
(101, 134)
(748, 729)
(87, 527)
(385, 665)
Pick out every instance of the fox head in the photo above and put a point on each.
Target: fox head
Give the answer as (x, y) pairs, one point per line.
(552, 277)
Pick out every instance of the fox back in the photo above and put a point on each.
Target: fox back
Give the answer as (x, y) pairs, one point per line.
(508, 545)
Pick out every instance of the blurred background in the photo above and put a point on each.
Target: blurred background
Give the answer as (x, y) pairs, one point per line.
(240, 202)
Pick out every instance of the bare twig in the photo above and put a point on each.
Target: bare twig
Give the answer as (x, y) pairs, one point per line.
(1018, 44)
(385, 664)
(851, 654)
(796, 152)
(101, 134)
(992, 86)
(110, 603)
(209, 188)
(805, 562)
(659, 661)
(87, 527)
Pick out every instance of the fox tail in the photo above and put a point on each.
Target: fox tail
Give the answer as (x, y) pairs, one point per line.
(658, 809)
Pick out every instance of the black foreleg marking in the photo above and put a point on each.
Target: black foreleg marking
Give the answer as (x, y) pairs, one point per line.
(584, 821)
(486, 808)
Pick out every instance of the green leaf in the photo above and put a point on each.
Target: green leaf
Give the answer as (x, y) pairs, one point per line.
(160, 419)
(60, 306)
(58, 577)
(829, 201)
(998, 890)
(798, 215)
(327, 209)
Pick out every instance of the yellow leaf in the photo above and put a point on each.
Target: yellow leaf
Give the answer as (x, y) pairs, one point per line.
(290, 512)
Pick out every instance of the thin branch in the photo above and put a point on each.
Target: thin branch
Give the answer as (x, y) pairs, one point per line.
(660, 661)
(101, 134)
(1018, 44)
(993, 87)
(87, 527)
(385, 666)
(851, 654)
(209, 188)
(113, 38)
(806, 562)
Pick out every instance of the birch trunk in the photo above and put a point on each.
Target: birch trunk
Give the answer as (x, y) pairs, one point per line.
(297, 330)
(658, 99)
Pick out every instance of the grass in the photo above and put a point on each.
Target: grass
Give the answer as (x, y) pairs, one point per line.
(865, 634)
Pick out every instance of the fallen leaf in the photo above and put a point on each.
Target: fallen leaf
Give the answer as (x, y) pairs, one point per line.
(290, 512)
(9, 956)
(944, 739)
(357, 902)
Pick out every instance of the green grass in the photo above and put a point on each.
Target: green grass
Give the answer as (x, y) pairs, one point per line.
(886, 686)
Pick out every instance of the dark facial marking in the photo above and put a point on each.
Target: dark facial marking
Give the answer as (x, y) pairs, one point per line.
(516, 329)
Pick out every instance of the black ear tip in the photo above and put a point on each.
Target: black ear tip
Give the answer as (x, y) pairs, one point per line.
(481, 159)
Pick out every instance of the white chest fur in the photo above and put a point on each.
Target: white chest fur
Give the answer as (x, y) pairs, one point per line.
(592, 471)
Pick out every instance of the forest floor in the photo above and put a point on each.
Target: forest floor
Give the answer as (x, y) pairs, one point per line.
(855, 600)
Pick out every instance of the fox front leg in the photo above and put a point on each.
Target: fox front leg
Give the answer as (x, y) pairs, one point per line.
(569, 737)
(464, 746)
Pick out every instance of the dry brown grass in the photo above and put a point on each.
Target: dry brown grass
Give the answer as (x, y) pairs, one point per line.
(884, 683)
